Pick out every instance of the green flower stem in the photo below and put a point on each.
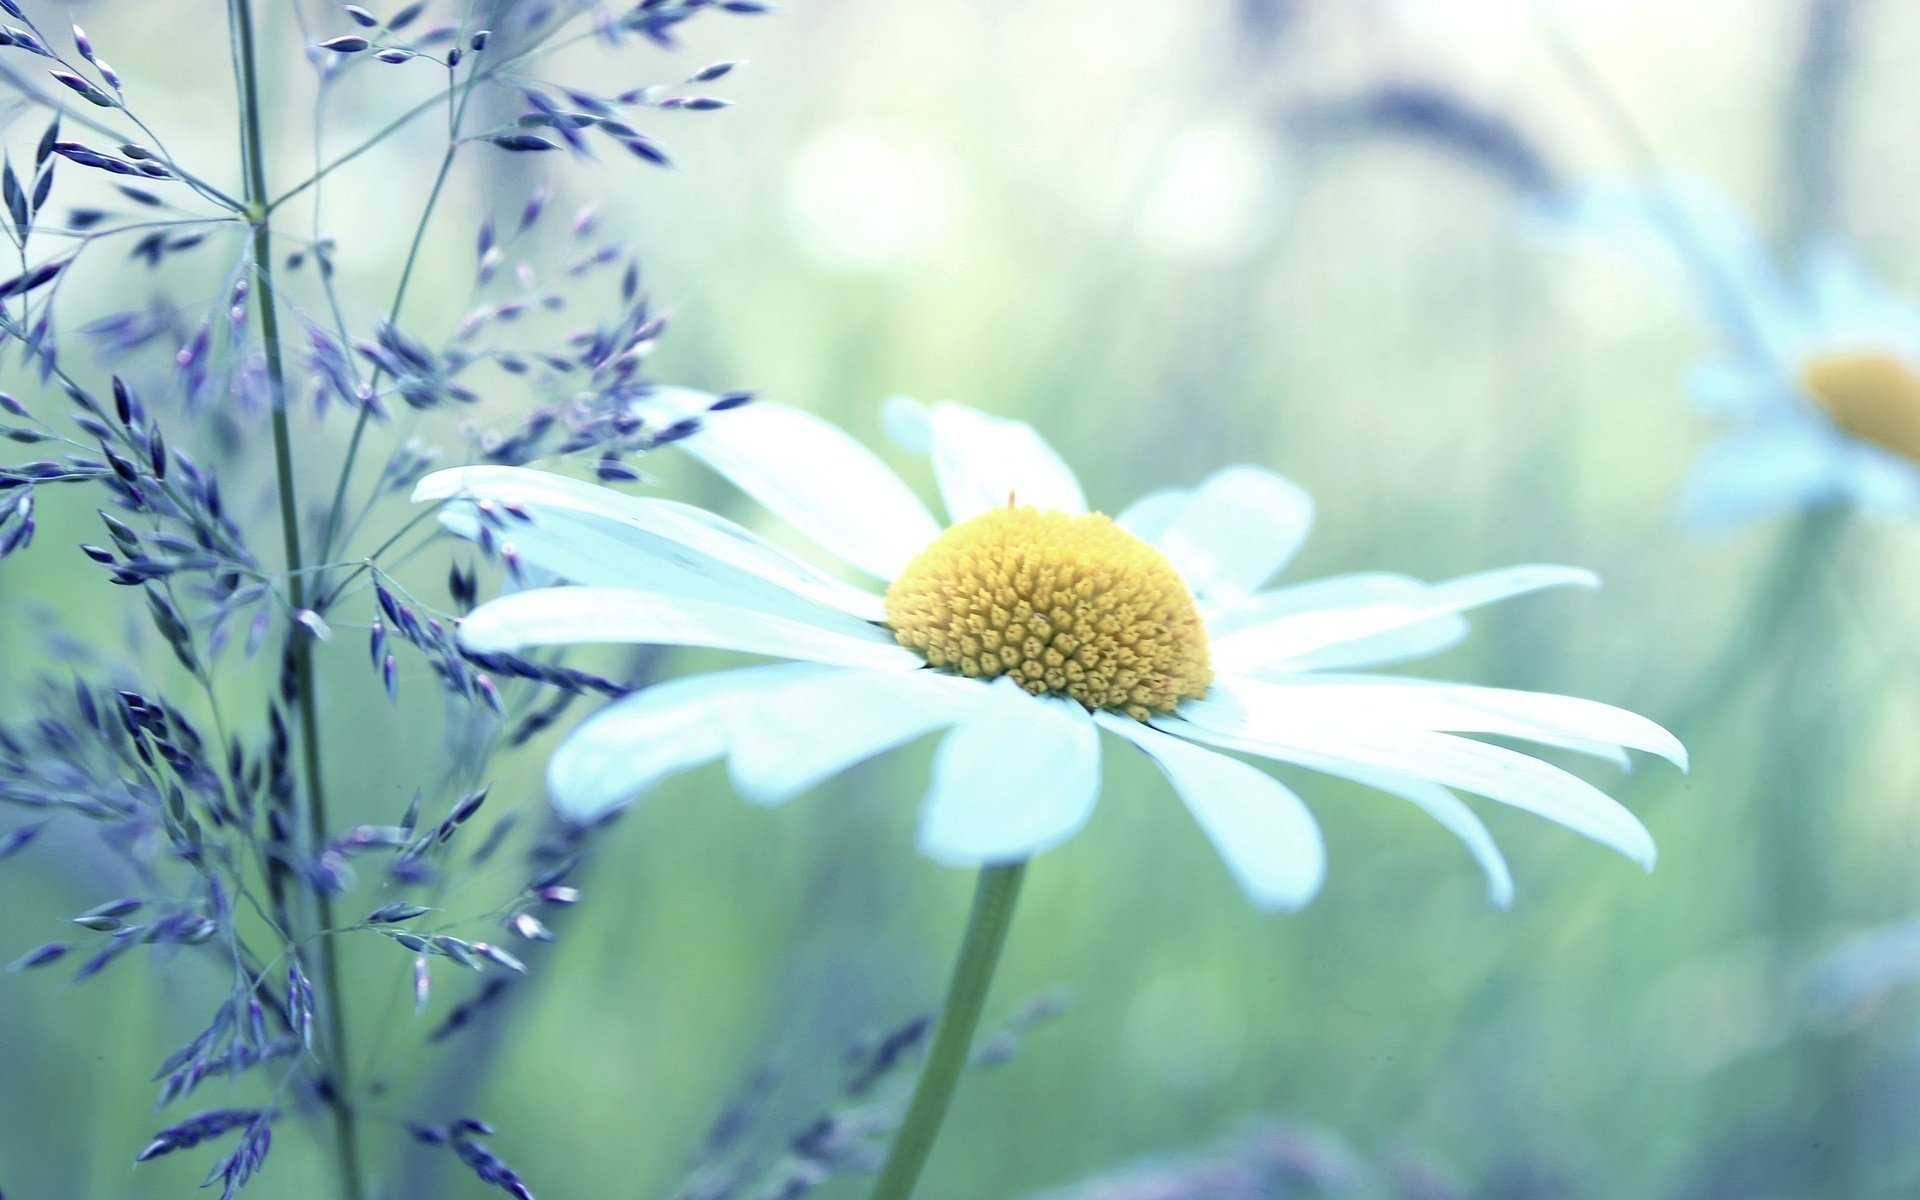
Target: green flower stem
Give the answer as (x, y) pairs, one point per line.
(339, 1086)
(993, 903)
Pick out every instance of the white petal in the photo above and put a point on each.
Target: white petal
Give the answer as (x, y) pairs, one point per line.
(1286, 642)
(594, 535)
(1404, 644)
(1725, 261)
(567, 615)
(1353, 590)
(1266, 835)
(819, 480)
(1882, 483)
(908, 422)
(560, 547)
(1485, 770)
(1504, 583)
(1148, 517)
(1855, 305)
(1018, 776)
(626, 748)
(1584, 725)
(811, 730)
(984, 461)
(1759, 471)
(1453, 815)
(1236, 530)
(1343, 592)
(1736, 388)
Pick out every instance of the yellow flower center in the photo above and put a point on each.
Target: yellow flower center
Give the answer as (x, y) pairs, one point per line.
(1871, 394)
(1073, 606)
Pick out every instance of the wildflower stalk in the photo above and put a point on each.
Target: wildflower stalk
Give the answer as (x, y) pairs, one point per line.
(339, 1088)
(336, 510)
(1784, 586)
(1827, 58)
(993, 904)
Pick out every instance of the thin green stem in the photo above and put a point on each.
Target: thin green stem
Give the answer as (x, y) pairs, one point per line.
(336, 508)
(1789, 578)
(367, 562)
(1723, 294)
(339, 1089)
(455, 111)
(1811, 139)
(374, 140)
(993, 904)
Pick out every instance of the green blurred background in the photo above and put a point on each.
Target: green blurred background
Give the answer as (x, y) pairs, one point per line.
(1101, 218)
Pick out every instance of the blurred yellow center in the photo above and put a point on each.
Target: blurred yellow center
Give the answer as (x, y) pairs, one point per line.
(1073, 606)
(1871, 394)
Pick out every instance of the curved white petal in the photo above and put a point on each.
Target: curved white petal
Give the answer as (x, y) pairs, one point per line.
(1504, 583)
(983, 461)
(811, 730)
(1353, 590)
(596, 536)
(1267, 706)
(626, 748)
(1347, 592)
(1286, 642)
(1018, 776)
(1485, 770)
(1692, 234)
(1882, 483)
(908, 422)
(1148, 517)
(562, 547)
(1851, 303)
(1266, 835)
(1236, 530)
(566, 615)
(815, 477)
(1761, 470)
(1454, 816)
(1422, 639)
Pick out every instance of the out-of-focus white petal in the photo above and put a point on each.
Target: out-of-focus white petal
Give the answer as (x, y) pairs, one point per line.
(908, 422)
(813, 729)
(1737, 388)
(1485, 770)
(1453, 815)
(1285, 642)
(1148, 517)
(1235, 531)
(626, 748)
(1266, 835)
(596, 536)
(1018, 776)
(983, 461)
(1268, 706)
(1694, 236)
(1853, 307)
(567, 615)
(819, 480)
(1762, 469)
(1882, 483)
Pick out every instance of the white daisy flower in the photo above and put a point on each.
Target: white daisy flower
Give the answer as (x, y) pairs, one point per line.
(1818, 374)
(1024, 628)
